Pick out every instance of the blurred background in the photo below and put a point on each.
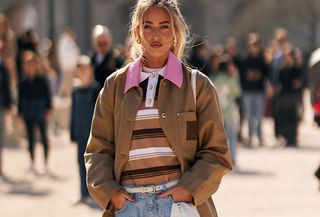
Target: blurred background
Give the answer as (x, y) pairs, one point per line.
(263, 57)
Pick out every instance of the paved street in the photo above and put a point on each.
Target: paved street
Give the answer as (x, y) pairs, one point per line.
(271, 182)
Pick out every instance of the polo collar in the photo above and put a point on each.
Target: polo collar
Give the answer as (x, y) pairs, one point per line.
(173, 72)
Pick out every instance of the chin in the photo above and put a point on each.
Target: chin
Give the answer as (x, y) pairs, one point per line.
(157, 53)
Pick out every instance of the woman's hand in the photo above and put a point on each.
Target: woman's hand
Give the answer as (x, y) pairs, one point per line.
(178, 194)
(119, 199)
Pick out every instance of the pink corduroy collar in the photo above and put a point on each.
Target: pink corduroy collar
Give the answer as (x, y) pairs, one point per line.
(173, 72)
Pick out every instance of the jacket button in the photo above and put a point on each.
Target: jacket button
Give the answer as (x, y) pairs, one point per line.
(164, 115)
(178, 114)
(164, 83)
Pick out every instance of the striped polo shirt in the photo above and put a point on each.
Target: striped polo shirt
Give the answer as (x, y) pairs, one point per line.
(151, 160)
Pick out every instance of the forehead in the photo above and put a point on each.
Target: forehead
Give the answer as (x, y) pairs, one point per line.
(157, 14)
(102, 37)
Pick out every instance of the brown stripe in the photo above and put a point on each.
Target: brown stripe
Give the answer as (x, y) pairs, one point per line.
(148, 172)
(155, 162)
(149, 143)
(147, 133)
(143, 176)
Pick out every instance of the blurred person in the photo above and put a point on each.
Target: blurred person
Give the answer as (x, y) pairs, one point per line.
(34, 106)
(231, 48)
(8, 38)
(199, 57)
(27, 41)
(83, 100)
(126, 50)
(280, 38)
(275, 55)
(228, 86)
(153, 142)
(68, 53)
(288, 100)
(253, 75)
(214, 59)
(104, 59)
(5, 101)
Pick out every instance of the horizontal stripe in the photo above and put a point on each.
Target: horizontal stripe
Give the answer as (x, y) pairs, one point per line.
(145, 112)
(151, 180)
(151, 150)
(154, 162)
(149, 143)
(154, 155)
(147, 117)
(147, 133)
(149, 172)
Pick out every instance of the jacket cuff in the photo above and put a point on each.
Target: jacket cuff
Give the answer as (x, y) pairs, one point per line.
(188, 181)
(102, 194)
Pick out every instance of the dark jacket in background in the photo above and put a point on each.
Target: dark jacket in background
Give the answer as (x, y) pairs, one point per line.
(286, 78)
(255, 64)
(34, 98)
(83, 102)
(109, 64)
(200, 64)
(5, 95)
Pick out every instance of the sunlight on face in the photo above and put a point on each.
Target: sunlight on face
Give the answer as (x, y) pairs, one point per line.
(157, 35)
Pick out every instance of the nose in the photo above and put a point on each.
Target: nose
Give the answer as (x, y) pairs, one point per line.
(155, 33)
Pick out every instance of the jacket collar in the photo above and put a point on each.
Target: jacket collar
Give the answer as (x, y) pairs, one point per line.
(173, 72)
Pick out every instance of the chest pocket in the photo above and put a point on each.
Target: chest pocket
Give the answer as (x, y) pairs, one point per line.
(188, 129)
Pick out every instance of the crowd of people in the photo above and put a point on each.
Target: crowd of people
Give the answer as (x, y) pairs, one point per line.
(262, 81)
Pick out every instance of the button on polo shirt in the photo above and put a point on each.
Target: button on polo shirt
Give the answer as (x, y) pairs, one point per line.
(153, 75)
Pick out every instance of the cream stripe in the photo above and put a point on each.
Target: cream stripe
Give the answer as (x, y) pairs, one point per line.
(146, 117)
(148, 156)
(151, 150)
(147, 112)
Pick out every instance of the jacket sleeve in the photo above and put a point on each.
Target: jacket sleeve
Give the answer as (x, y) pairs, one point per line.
(212, 160)
(100, 152)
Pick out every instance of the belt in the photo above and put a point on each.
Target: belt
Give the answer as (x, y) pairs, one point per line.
(151, 188)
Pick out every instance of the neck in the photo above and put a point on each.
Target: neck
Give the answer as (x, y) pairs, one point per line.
(86, 82)
(155, 62)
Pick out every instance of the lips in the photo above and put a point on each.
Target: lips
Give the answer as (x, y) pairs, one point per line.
(156, 44)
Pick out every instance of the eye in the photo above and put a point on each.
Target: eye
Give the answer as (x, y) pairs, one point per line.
(147, 26)
(164, 27)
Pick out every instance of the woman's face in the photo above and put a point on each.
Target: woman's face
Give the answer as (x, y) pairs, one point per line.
(30, 67)
(157, 34)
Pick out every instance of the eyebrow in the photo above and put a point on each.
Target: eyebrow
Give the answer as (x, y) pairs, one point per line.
(163, 22)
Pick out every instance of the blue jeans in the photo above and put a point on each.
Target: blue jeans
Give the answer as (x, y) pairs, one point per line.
(231, 130)
(146, 204)
(254, 107)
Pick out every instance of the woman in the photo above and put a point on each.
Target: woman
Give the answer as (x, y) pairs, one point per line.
(150, 145)
(227, 83)
(288, 98)
(9, 41)
(35, 105)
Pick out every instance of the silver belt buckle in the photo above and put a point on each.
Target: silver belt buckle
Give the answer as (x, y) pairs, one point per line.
(146, 189)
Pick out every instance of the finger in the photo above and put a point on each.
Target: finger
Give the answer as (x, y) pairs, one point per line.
(165, 194)
(128, 196)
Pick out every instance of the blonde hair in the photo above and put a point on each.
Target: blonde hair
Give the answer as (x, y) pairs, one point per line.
(180, 28)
